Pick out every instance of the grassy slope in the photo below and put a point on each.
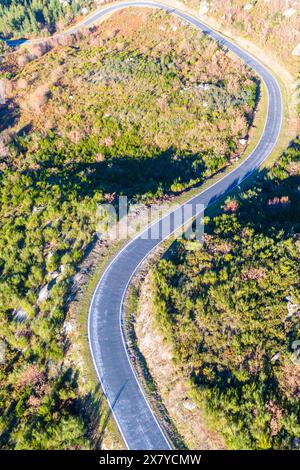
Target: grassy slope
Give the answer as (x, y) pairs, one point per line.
(224, 307)
(266, 23)
(54, 171)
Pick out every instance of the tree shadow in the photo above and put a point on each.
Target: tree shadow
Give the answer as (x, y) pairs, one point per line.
(92, 407)
(268, 201)
(9, 114)
(274, 206)
(25, 130)
(134, 177)
(14, 42)
(96, 413)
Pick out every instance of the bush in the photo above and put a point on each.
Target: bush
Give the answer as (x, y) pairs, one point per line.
(231, 311)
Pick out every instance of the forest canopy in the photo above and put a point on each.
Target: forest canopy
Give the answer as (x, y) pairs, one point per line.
(25, 17)
(231, 311)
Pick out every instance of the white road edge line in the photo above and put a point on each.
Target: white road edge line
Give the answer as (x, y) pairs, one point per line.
(177, 13)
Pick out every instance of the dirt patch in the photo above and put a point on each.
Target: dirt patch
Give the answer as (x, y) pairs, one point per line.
(186, 416)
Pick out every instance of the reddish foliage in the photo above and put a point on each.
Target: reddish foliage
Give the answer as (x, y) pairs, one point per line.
(110, 197)
(32, 375)
(276, 414)
(231, 206)
(255, 274)
(294, 168)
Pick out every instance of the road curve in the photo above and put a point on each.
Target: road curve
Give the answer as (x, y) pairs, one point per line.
(135, 419)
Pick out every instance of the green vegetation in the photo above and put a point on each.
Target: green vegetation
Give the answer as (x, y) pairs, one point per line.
(275, 26)
(141, 108)
(231, 310)
(26, 17)
(183, 114)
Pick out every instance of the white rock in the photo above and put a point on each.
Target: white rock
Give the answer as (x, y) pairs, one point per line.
(3, 149)
(289, 12)
(204, 86)
(243, 141)
(296, 51)
(189, 405)
(20, 315)
(78, 277)
(203, 7)
(68, 327)
(275, 357)
(248, 7)
(44, 294)
(2, 92)
(54, 274)
(292, 310)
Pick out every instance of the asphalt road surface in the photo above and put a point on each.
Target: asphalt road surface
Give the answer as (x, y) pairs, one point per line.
(135, 419)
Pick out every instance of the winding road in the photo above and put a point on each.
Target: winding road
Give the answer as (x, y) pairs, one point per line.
(136, 421)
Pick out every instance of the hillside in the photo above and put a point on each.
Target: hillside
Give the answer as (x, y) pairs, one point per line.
(230, 310)
(274, 25)
(19, 18)
(144, 106)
